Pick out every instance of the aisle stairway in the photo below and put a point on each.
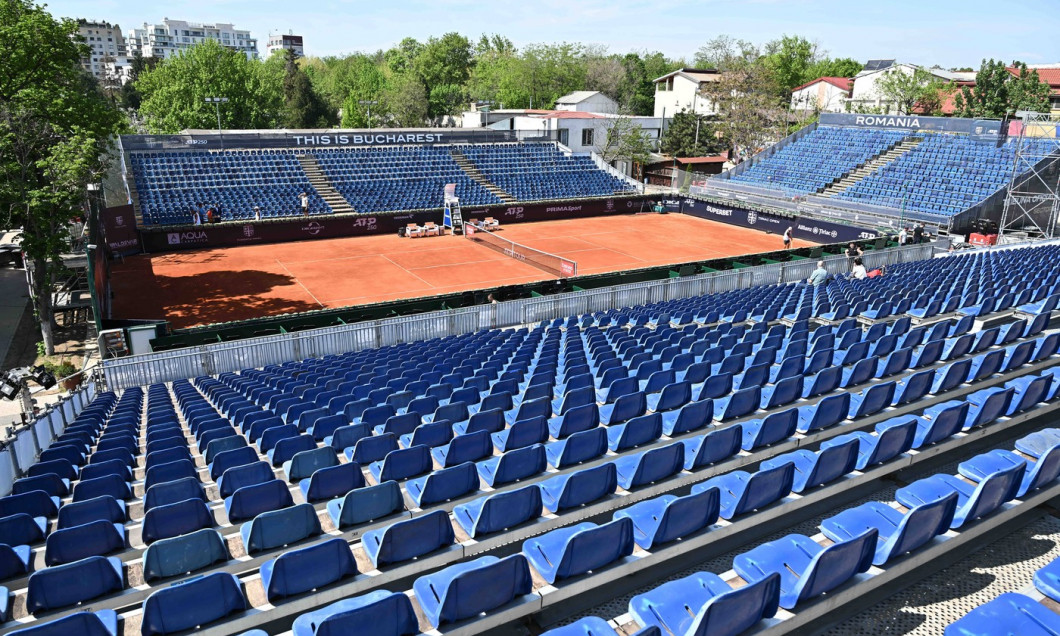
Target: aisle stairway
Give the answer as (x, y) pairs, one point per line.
(320, 183)
(871, 166)
(473, 172)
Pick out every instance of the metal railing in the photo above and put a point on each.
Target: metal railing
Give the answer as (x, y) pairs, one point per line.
(224, 357)
(24, 446)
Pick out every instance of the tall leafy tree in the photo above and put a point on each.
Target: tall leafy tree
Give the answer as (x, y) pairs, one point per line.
(906, 90)
(174, 91)
(751, 113)
(834, 67)
(692, 135)
(54, 126)
(997, 92)
(791, 60)
(619, 138)
(303, 107)
(444, 67)
(725, 53)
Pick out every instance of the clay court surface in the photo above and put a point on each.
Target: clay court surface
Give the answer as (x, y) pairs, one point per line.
(237, 283)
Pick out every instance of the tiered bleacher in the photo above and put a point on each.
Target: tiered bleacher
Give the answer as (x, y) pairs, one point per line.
(372, 179)
(943, 175)
(946, 174)
(534, 172)
(252, 497)
(819, 158)
(170, 184)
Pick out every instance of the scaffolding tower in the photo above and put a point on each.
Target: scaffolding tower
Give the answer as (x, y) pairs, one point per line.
(1032, 202)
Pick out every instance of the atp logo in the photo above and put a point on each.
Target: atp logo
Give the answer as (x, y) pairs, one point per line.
(515, 213)
(366, 223)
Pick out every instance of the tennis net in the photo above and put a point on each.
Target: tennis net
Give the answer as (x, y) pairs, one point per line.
(556, 265)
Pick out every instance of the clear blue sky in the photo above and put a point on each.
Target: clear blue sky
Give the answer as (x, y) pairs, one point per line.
(951, 33)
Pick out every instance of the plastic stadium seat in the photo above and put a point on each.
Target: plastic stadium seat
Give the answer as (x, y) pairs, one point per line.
(464, 448)
(668, 518)
(443, 484)
(98, 623)
(743, 492)
(287, 448)
(940, 422)
(871, 400)
(379, 612)
(690, 417)
(892, 438)
(636, 432)
(974, 501)
(118, 467)
(738, 404)
(112, 485)
(14, 560)
(368, 449)
(272, 436)
(22, 529)
(814, 469)
(246, 475)
(580, 487)
(430, 435)
(624, 408)
(715, 446)
(61, 467)
(898, 533)
(490, 420)
(472, 588)
(650, 466)
(568, 552)
(50, 483)
(250, 501)
(770, 429)
(404, 463)
(277, 528)
(1007, 614)
(405, 540)
(1040, 473)
(522, 434)
(95, 538)
(988, 405)
(305, 463)
(705, 604)
(580, 418)
(366, 504)
(183, 554)
(35, 503)
(105, 508)
(513, 465)
(231, 459)
(305, 569)
(65, 585)
(161, 473)
(578, 448)
(806, 568)
(830, 411)
(333, 481)
(499, 511)
(162, 522)
(194, 602)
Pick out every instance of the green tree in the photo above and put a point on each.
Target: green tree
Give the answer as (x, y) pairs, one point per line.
(791, 61)
(751, 113)
(404, 103)
(303, 107)
(834, 67)
(54, 126)
(906, 90)
(174, 91)
(622, 139)
(997, 92)
(692, 135)
(444, 66)
(725, 53)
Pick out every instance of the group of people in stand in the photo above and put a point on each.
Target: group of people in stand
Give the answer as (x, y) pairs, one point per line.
(202, 214)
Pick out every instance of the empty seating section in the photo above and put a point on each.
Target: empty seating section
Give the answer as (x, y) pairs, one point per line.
(819, 158)
(168, 184)
(533, 172)
(389, 178)
(945, 175)
(371, 179)
(312, 473)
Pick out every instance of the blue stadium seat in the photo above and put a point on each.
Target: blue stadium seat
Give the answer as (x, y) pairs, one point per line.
(405, 540)
(250, 501)
(194, 602)
(705, 604)
(499, 511)
(513, 465)
(22, 529)
(95, 538)
(571, 551)
(468, 589)
(713, 447)
(973, 501)
(574, 489)
(309, 568)
(668, 518)
(366, 504)
(404, 463)
(99, 623)
(579, 447)
(814, 469)
(277, 528)
(1009, 613)
(443, 484)
(650, 466)
(170, 520)
(182, 554)
(303, 464)
(65, 585)
(378, 612)
(82, 512)
(898, 533)
(742, 492)
(333, 481)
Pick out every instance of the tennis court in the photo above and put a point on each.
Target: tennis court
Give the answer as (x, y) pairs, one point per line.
(238, 283)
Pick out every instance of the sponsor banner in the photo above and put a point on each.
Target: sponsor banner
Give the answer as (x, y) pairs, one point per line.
(119, 229)
(329, 139)
(814, 230)
(979, 127)
(319, 227)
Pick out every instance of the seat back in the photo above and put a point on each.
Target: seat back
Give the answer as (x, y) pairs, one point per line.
(836, 564)
(657, 464)
(405, 540)
(875, 399)
(162, 522)
(371, 502)
(309, 568)
(250, 501)
(519, 464)
(921, 524)
(718, 444)
(686, 515)
(484, 588)
(765, 487)
(588, 484)
(374, 448)
(307, 462)
(277, 528)
(379, 612)
(174, 491)
(596, 547)
(467, 448)
(65, 585)
(894, 436)
(449, 483)
(501, 511)
(196, 601)
(184, 553)
(246, 475)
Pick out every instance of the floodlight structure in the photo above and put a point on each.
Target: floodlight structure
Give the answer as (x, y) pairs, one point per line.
(217, 101)
(1032, 202)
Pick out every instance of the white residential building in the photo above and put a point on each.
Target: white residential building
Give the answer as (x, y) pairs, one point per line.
(679, 91)
(587, 102)
(169, 37)
(865, 93)
(106, 43)
(824, 95)
(284, 42)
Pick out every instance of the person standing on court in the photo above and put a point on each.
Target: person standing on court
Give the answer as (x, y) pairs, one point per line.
(305, 204)
(819, 275)
(787, 238)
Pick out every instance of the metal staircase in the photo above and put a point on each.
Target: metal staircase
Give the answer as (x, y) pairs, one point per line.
(871, 166)
(473, 172)
(323, 187)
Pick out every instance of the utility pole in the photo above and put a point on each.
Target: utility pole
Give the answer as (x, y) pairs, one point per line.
(217, 101)
(369, 103)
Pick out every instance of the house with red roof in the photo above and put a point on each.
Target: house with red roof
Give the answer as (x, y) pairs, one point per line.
(1050, 74)
(824, 94)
